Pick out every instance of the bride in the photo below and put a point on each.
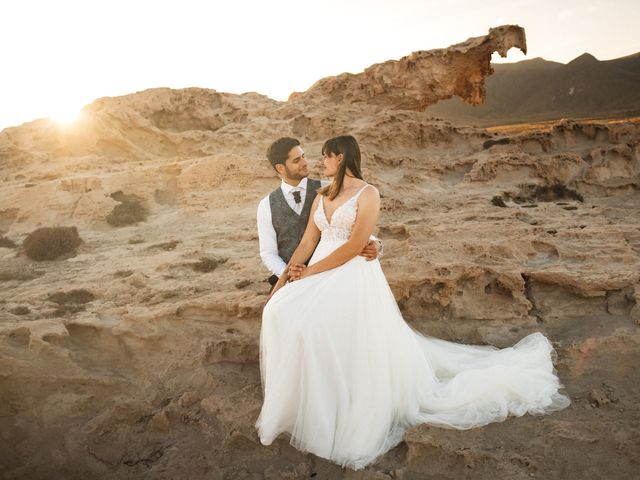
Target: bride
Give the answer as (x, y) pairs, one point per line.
(342, 372)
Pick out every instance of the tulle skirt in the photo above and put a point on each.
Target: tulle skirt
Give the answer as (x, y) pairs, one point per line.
(345, 375)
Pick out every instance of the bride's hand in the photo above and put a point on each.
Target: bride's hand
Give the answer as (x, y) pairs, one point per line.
(295, 271)
(305, 272)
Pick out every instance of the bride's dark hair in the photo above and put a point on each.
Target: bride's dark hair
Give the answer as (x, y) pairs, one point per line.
(348, 147)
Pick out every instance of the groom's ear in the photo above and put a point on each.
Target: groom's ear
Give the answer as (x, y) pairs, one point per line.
(279, 168)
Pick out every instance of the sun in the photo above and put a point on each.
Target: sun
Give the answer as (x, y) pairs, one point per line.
(65, 115)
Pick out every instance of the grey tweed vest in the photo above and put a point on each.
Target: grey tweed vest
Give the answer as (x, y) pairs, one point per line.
(290, 226)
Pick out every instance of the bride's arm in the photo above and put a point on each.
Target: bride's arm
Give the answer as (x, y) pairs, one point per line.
(305, 248)
(368, 212)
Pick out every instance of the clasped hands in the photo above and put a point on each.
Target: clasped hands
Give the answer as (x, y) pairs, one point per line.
(298, 271)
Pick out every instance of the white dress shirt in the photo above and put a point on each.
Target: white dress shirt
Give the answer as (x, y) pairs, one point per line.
(266, 233)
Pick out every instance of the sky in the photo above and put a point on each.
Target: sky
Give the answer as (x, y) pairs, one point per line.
(58, 56)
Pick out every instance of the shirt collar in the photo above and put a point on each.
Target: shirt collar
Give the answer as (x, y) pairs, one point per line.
(286, 188)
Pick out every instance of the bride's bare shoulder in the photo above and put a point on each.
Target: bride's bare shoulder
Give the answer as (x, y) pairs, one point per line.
(370, 191)
(369, 198)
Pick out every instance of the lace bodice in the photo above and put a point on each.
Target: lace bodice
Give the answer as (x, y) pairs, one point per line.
(342, 220)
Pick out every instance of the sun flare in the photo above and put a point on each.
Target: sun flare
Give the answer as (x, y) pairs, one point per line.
(65, 115)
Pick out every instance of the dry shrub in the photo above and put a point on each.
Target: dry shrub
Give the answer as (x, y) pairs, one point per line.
(78, 296)
(207, 264)
(6, 243)
(21, 310)
(127, 213)
(49, 243)
(549, 193)
(70, 302)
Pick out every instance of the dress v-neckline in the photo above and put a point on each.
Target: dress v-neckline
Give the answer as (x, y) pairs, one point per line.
(341, 205)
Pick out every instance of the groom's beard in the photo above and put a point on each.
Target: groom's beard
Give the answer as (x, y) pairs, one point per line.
(296, 176)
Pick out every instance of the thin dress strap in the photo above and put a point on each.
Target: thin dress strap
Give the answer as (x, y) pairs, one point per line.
(360, 191)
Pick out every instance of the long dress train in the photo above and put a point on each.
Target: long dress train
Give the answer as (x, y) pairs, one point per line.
(345, 375)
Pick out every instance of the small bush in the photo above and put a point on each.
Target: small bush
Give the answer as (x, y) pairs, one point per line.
(78, 296)
(70, 302)
(549, 193)
(21, 310)
(6, 243)
(49, 243)
(207, 264)
(127, 213)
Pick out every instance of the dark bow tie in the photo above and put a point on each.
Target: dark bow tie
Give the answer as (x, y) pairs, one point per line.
(296, 196)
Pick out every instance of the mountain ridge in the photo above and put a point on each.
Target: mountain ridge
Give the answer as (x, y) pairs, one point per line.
(540, 90)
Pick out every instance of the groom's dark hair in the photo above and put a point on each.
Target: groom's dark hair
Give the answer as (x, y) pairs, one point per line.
(278, 151)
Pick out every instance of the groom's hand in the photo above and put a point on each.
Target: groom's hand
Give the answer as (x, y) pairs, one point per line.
(370, 251)
(295, 271)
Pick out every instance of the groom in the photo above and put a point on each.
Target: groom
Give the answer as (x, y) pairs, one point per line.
(284, 213)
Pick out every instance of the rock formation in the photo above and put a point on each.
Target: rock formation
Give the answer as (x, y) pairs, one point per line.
(421, 79)
(138, 356)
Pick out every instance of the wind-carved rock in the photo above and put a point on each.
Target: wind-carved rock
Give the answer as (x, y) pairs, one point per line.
(422, 78)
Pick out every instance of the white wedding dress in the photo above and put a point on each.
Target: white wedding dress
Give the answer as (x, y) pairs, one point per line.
(345, 375)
